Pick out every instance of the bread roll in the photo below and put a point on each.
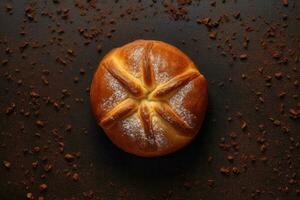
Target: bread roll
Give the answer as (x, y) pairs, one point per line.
(149, 98)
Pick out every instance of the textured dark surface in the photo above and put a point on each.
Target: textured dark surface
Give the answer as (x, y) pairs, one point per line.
(248, 147)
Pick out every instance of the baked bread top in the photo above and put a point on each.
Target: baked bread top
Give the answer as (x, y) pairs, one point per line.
(149, 98)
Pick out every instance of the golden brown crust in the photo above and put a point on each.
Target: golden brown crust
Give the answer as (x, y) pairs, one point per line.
(174, 84)
(149, 98)
(166, 113)
(124, 78)
(147, 70)
(123, 109)
(145, 116)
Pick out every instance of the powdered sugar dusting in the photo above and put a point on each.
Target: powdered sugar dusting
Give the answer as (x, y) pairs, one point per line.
(160, 77)
(132, 126)
(118, 92)
(176, 103)
(136, 57)
(160, 138)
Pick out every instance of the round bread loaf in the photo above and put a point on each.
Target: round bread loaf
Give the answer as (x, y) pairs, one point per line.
(149, 98)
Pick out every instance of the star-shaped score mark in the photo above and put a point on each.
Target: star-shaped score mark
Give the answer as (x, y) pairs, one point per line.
(145, 97)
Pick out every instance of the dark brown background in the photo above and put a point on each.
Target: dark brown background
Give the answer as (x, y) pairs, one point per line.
(266, 152)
